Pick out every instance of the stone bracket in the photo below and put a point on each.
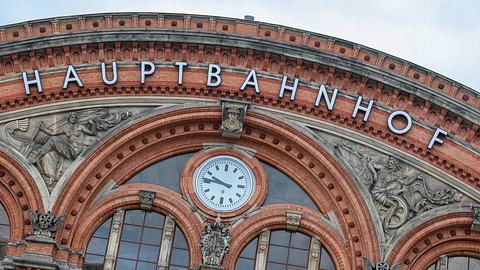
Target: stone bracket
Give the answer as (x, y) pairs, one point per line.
(146, 199)
(233, 117)
(293, 220)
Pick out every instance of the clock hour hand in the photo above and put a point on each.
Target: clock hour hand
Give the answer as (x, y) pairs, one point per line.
(217, 181)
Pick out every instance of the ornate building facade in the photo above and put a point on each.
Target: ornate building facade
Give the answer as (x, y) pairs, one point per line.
(171, 141)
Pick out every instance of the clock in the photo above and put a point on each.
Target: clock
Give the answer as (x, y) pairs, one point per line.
(224, 183)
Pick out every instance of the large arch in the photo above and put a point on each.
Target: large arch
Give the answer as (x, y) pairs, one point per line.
(184, 130)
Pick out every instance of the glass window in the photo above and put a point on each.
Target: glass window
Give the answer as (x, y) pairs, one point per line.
(165, 173)
(4, 231)
(180, 257)
(97, 247)
(287, 250)
(283, 189)
(459, 262)
(139, 244)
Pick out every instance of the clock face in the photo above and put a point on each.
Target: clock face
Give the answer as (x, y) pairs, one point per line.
(224, 183)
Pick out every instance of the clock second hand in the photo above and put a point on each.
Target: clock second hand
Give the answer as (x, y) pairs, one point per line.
(218, 181)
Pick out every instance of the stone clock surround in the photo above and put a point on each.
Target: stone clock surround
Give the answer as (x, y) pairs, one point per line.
(261, 185)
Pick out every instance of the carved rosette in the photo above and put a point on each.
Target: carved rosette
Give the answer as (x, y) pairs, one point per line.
(381, 265)
(44, 225)
(214, 243)
(233, 117)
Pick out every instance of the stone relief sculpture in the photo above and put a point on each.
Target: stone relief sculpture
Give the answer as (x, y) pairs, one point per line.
(52, 147)
(45, 225)
(400, 192)
(214, 243)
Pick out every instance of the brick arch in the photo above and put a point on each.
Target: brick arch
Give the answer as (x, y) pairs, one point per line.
(19, 194)
(274, 217)
(127, 197)
(444, 234)
(183, 130)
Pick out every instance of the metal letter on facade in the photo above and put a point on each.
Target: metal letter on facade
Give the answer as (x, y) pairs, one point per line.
(233, 117)
(214, 243)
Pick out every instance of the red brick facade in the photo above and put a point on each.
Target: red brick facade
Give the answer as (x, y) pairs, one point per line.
(356, 71)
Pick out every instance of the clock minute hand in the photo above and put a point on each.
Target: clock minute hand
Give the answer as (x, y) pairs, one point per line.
(216, 180)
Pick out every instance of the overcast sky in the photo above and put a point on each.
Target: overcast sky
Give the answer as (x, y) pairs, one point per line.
(442, 35)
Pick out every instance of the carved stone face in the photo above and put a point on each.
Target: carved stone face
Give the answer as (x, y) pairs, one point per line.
(72, 118)
(393, 164)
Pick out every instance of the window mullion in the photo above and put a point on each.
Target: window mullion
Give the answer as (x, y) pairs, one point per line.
(167, 243)
(262, 250)
(314, 254)
(114, 239)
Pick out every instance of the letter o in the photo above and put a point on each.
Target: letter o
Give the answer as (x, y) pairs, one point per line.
(403, 130)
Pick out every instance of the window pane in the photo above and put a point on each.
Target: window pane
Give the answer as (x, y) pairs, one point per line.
(104, 229)
(432, 267)
(283, 189)
(179, 241)
(457, 263)
(131, 233)
(125, 265)
(281, 238)
(128, 250)
(326, 261)
(250, 250)
(154, 219)
(152, 236)
(300, 240)
(134, 217)
(244, 264)
(474, 264)
(4, 233)
(146, 266)
(148, 253)
(296, 268)
(179, 257)
(97, 246)
(165, 173)
(298, 257)
(94, 259)
(278, 254)
(276, 266)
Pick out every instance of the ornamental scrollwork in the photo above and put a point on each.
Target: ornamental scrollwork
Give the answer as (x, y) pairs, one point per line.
(214, 243)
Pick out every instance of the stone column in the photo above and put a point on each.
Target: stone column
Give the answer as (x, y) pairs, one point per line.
(167, 243)
(262, 250)
(314, 256)
(114, 240)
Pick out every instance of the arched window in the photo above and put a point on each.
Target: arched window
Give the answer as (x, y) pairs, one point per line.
(284, 250)
(4, 231)
(456, 263)
(138, 240)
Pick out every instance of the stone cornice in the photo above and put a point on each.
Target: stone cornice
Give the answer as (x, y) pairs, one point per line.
(303, 40)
